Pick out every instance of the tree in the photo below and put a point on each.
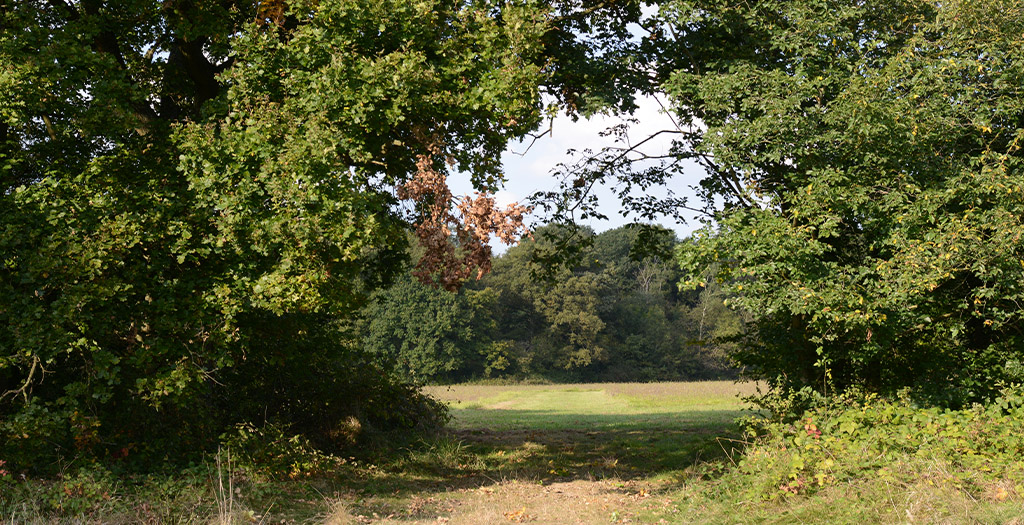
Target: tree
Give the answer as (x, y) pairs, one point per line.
(869, 160)
(861, 200)
(615, 314)
(553, 322)
(429, 335)
(194, 198)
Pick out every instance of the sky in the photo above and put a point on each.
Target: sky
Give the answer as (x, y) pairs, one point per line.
(529, 170)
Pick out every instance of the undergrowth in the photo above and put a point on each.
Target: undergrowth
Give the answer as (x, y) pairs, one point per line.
(855, 439)
(847, 459)
(860, 458)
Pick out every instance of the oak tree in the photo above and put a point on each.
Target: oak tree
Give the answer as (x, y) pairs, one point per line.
(194, 197)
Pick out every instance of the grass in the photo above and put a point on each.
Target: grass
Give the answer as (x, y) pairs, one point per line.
(579, 453)
(554, 453)
(538, 453)
(592, 453)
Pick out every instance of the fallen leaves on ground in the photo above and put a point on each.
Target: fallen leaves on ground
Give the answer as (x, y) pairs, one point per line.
(519, 516)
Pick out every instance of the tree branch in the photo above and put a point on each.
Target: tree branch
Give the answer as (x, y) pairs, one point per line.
(23, 390)
(199, 69)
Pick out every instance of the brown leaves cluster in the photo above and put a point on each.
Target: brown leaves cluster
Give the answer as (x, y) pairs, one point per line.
(271, 12)
(456, 243)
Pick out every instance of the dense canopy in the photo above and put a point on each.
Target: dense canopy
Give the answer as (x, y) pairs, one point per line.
(873, 158)
(194, 198)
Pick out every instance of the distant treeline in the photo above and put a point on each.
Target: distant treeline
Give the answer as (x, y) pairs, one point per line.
(614, 312)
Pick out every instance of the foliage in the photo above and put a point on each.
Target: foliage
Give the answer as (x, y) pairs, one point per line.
(590, 58)
(429, 334)
(271, 452)
(869, 160)
(195, 199)
(860, 439)
(612, 314)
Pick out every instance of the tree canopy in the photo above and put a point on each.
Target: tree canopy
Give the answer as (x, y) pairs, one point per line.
(615, 315)
(862, 194)
(880, 155)
(195, 197)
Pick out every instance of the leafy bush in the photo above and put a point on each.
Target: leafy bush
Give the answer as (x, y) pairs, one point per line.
(272, 452)
(863, 438)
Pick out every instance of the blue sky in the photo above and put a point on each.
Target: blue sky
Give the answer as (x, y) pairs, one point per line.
(529, 171)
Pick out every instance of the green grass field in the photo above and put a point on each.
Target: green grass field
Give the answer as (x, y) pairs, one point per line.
(559, 454)
(611, 451)
(607, 406)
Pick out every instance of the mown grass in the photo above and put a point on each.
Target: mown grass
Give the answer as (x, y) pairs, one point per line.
(594, 431)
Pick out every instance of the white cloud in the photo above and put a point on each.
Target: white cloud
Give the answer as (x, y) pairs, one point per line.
(504, 198)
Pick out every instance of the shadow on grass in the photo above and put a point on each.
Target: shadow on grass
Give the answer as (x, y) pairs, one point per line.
(542, 420)
(548, 446)
(486, 447)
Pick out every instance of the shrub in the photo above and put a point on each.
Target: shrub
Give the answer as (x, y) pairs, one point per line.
(864, 438)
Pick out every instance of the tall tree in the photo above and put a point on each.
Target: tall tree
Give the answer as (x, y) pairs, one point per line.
(616, 314)
(428, 334)
(879, 158)
(194, 195)
(861, 197)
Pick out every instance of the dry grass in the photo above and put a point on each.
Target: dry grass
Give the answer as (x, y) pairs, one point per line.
(706, 391)
(521, 501)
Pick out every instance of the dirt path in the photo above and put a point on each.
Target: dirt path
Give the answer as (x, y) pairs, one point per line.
(555, 454)
(535, 476)
(516, 501)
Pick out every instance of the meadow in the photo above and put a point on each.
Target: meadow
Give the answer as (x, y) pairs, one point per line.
(579, 453)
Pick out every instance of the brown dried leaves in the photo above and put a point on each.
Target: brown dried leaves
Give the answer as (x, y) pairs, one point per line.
(456, 244)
